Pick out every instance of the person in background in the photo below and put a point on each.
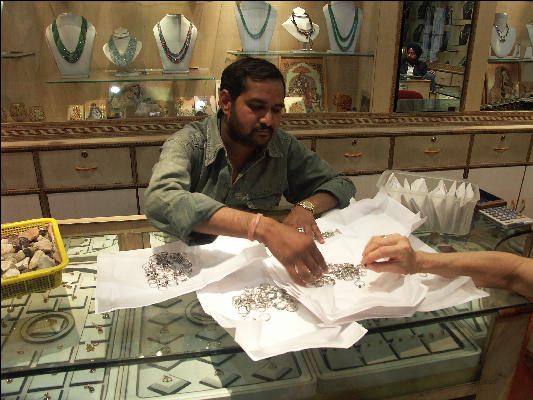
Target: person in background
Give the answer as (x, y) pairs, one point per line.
(213, 176)
(412, 66)
(494, 269)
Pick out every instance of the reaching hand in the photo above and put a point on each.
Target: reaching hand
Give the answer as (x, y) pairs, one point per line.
(304, 222)
(297, 252)
(401, 256)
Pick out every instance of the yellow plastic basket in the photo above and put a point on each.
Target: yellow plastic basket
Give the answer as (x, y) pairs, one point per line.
(41, 279)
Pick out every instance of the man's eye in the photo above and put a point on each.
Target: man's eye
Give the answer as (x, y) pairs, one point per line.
(256, 107)
(277, 110)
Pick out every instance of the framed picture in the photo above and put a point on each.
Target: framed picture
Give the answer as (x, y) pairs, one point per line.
(96, 109)
(305, 77)
(503, 82)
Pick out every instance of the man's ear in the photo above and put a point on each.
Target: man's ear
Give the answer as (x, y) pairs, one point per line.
(225, 101)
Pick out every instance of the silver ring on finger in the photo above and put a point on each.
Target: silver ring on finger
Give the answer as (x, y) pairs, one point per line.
(300, 230)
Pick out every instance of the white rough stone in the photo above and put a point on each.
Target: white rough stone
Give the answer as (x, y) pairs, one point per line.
(44, 245)
(23, 264)
(19, 256)
(7, 264)
(10, 273)
(34, 262)
(46, 262)
(7, 248)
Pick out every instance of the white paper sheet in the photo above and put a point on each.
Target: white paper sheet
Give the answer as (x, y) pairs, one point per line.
(121, 281)
(284, 331)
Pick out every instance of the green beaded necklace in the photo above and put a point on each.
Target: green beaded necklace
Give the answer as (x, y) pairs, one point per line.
(71, 57)
(336, 33)
(260, 33)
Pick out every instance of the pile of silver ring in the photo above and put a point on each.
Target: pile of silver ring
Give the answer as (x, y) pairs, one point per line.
(328, 234)
(260, 298)
(345, 272)
(167, 269)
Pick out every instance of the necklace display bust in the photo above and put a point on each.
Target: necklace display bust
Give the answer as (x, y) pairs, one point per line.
(175, 37)
(256, 21)
(122, 48)
(300, 26)
(503, 36)
(343, 22)
(71, 39)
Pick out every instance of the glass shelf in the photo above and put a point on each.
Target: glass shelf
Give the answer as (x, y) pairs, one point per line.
(510, 60)
(297, 53)
(144, 75)
(17, 54)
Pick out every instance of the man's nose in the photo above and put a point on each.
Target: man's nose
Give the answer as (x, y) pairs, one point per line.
(266, 118)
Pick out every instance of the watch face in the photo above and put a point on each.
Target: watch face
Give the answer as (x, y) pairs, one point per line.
(307, 205)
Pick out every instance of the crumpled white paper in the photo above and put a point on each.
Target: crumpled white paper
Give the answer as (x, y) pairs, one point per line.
(271, 332)
(121, 281)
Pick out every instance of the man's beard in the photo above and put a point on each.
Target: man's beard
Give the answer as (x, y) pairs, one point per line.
(235, 132)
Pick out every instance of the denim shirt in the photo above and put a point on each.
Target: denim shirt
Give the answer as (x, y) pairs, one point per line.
(192, 179)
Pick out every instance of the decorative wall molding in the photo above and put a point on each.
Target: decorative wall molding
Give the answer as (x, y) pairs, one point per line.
(16, 131)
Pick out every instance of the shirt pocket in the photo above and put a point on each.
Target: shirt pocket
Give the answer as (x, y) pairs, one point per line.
(264, 199)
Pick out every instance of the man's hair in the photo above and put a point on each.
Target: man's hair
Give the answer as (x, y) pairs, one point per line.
(416, 48)
(234, 77)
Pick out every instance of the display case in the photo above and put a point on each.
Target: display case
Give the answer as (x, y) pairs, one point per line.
(54, 345)
(176, 76)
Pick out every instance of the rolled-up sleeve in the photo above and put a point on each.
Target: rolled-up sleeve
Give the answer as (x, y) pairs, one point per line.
(169, 205)
(309, 173)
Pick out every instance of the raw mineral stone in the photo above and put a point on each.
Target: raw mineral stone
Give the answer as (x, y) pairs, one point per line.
(21, 265)
(46, 262)
(10, 273)
(30, 234)
(44, 245)
(7, 264)
(7, 248)
(34, 262)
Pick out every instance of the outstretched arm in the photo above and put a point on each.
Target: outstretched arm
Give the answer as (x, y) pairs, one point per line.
(487, 268)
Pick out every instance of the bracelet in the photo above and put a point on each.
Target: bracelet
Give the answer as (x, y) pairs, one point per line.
(253, 225)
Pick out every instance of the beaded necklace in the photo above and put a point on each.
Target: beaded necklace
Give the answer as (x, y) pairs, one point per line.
(127, 56)
(350, 37)
(499, 32)
(176, 58)
(262, 30)
(305, 32)
(71, 57)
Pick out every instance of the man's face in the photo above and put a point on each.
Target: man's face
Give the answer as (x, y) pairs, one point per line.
(255, 115)
(411, 56)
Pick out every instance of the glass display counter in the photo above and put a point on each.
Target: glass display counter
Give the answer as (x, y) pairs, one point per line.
(55, 346)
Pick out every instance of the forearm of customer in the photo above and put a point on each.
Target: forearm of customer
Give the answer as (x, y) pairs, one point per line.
(487, 268)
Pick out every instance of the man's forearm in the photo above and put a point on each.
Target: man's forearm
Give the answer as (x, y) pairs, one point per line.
(323, 201)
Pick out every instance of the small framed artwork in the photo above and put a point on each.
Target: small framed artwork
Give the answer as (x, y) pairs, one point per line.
(75, 112)
(185, 106)
(305, 77)
(502, 82)
(95, 109)
(205, 105)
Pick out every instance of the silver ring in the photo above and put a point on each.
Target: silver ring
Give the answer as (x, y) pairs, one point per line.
(384, 237)
(301, 230)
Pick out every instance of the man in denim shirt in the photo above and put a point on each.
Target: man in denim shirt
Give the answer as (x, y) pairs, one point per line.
(212, 173)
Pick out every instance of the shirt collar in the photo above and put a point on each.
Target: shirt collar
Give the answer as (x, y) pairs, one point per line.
(214, 142)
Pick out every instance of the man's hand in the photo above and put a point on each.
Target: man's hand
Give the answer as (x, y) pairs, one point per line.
(297, 252)
(402, 257)
(431, 71)
(301, 219)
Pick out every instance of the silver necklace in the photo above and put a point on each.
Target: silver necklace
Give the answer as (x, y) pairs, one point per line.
(499, 32)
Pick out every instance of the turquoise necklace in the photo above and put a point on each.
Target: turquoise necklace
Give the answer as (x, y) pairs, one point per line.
(71, 57)
(125, 58)
(350, 37)
(260, 33)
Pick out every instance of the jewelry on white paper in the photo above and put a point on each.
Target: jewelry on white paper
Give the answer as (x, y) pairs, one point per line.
(262, 297)
(345, 272)
(328, 234)
(167, 269)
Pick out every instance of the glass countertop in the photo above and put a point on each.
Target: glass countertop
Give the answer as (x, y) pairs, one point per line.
(58, 330)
